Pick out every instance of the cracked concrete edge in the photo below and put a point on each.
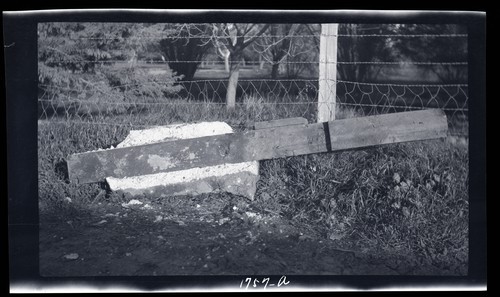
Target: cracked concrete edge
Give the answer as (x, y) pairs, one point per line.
(239, 178)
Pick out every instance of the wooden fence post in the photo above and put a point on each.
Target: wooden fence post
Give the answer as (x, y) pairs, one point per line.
(327, 92)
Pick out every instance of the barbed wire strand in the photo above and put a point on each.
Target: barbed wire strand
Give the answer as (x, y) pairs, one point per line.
(146, 62)
(264, 36)
(75, 100)
(410, 85)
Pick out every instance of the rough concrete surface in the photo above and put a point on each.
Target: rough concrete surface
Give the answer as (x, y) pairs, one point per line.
(239, 179)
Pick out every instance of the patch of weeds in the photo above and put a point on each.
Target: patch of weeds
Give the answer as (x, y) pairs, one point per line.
(401, 199)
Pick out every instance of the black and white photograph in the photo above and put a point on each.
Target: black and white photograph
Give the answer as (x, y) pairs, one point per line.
(260, 149)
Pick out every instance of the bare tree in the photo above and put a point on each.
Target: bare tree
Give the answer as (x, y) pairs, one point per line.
(231, 39)
(288, 48)
(187, 44)
(276, 45)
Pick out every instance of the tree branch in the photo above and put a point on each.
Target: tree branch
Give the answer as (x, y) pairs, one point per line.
(249, 41)
(248, 29)
(315, 39)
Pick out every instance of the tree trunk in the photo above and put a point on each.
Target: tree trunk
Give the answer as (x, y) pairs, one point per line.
(133, 59)
(232, 85)
(227, 64)
(275, 71)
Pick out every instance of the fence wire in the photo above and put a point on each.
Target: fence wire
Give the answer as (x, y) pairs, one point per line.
(206, 36)
(146, 101)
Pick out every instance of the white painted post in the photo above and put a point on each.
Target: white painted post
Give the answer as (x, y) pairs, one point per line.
(327, 92)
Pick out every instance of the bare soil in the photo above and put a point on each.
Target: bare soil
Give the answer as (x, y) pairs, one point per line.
(207, 235)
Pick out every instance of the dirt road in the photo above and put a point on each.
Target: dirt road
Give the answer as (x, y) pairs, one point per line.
(194, 237)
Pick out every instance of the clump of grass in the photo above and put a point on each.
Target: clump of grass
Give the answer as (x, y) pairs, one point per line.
(406, 199)
(55, 143)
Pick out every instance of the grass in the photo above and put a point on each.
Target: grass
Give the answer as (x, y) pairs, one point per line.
(406, 199)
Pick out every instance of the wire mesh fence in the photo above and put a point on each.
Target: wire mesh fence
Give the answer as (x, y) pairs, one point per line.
(140, 90)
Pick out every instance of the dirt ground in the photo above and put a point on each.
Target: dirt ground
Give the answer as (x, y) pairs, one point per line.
(196, 236)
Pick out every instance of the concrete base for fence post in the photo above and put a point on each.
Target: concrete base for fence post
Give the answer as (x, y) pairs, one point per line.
(240, 179)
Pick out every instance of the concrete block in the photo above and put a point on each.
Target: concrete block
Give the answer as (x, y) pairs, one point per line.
(239, 179)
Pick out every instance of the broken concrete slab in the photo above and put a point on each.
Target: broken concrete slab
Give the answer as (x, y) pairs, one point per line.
(239, 179)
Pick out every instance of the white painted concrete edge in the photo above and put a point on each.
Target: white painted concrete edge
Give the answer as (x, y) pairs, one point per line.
(175, 132)
(182, 176)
